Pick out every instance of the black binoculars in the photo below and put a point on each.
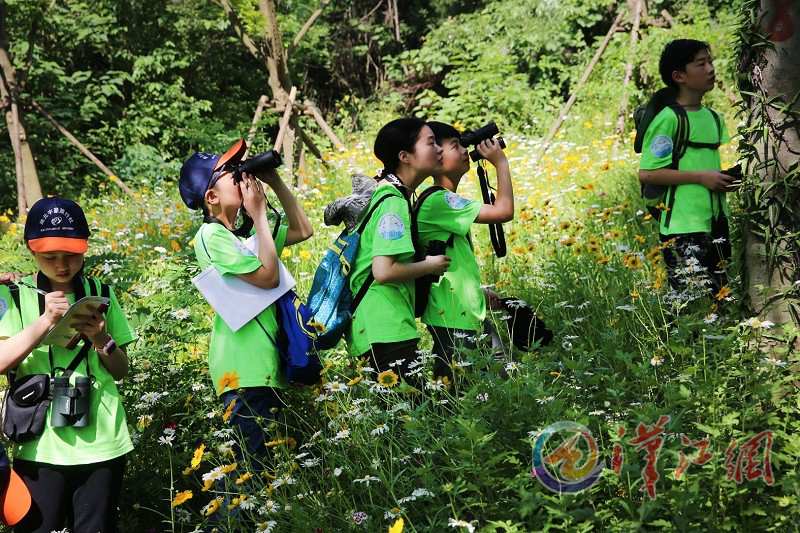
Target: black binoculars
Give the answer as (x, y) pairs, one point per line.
(70, 405)
(475, 137)
(257, 163)
(436, 248)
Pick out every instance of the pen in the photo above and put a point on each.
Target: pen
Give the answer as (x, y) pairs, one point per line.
(23, 284)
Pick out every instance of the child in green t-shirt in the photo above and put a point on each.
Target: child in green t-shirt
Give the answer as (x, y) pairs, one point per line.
(244, 364)
(73, 465)
(694, 217)
(456, 307)
(383, 329)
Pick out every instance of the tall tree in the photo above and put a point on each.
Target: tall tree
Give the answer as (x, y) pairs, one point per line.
(770, 54)
(28, 188)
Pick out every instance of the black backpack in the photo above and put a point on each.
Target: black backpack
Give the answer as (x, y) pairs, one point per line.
(422, 286)
(642, 117)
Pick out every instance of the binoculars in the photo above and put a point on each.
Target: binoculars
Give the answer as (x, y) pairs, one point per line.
(475, 137)
(267, 160)
(70, 405)
(436, 248)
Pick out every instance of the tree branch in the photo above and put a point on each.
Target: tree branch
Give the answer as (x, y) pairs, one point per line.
(236, 24)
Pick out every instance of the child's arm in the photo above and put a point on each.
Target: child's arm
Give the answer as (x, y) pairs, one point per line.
(386, 269)
(299, 226)
(15, 349)
(711, 179)
(266, 276)
(503, 208)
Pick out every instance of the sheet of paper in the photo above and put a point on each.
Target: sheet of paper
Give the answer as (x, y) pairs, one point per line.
(237, 301)
(63, 334)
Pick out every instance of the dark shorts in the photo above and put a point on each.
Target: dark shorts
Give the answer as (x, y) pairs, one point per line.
(396, 356)
(83, 498)
(711, 251)
(254, 410)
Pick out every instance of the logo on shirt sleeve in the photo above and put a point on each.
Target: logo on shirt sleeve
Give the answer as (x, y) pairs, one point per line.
(455, 201)
(661, 146)
(3, 307)
(243, 249)
(391, 227)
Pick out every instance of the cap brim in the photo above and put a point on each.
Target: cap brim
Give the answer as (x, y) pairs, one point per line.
(234, 154)
(16, 500)
(59, 244)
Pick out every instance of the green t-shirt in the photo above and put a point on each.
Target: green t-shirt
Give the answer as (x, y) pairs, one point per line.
(456, 300)
(694, 205)
(246, 357)
(106, 437)
(386, 314)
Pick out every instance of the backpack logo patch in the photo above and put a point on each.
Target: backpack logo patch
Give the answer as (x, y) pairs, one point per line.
(661, 146)
(391, 227)
(455, 201)
(3, 308)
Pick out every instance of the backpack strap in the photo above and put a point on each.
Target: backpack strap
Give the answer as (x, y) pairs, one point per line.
(362, 291)
(679, 144)
(13, 289)
(418, 205)
(364, 221)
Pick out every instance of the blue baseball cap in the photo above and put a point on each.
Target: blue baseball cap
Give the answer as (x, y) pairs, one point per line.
(56, 225)
(199, 169)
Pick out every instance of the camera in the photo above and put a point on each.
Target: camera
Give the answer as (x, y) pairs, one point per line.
(258, 163)
(70, 405)
(475, 137)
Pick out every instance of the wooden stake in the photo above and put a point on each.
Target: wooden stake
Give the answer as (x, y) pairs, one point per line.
(562, 115)
(256, 117)
(284, 123)
(311, 145)
(636, 12)
(313, 110)
(84, 150)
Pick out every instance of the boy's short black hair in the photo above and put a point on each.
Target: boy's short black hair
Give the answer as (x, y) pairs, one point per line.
(676, 55)
(443, 131)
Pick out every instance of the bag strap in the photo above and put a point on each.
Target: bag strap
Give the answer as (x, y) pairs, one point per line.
(362, 291)
(13, 289)
(364, 221)
(679, 145)
(418, 205)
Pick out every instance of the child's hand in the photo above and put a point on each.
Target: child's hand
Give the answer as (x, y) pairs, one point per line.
(92, 326)
(55, 305)
(8, 277)
(493, 300)
(491, 151)
(253, 197)
(716, 181)
(438, 264)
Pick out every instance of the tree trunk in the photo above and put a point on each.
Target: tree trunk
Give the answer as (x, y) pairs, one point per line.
(28, 187)
(279, 80)
(772, 151)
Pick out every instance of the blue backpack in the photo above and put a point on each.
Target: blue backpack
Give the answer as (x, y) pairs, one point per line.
(331, 302)
(295, 342)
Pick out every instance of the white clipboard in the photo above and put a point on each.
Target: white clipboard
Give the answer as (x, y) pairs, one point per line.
(63, 334)
(236, 301)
